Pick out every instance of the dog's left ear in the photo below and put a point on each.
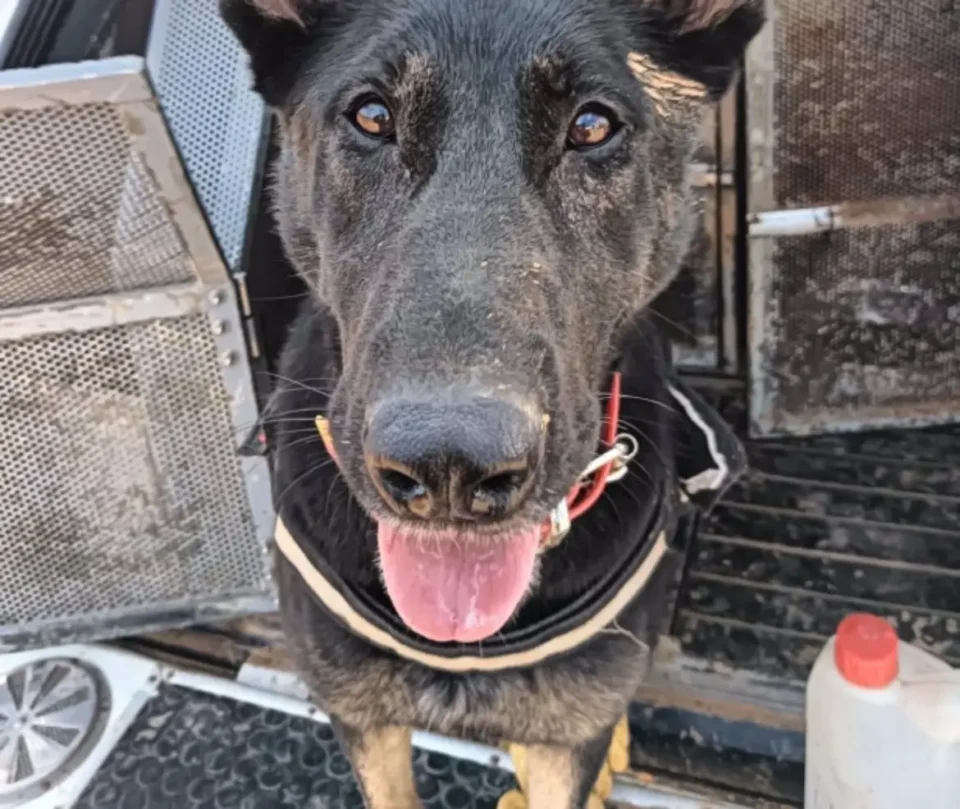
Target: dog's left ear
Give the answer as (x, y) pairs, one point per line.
(704, 40)
(278, 35)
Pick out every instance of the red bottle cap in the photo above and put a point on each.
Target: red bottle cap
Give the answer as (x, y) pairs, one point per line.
(867, 651)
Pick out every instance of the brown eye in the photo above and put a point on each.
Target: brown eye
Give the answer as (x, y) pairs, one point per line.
(591, 127)
(374, 118)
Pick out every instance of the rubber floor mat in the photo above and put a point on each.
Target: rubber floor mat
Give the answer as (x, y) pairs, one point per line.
(190, 750)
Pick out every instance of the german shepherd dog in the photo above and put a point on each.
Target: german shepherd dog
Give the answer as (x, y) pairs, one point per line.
(484, 198)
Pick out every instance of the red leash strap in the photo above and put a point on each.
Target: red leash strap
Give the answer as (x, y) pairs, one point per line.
(585, 493)
(580, 500)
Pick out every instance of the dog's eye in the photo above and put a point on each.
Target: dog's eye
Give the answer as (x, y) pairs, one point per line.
(373, 117)
(592, 126)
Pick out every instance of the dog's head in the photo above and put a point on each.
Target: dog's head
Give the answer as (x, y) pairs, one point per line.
(480, 194)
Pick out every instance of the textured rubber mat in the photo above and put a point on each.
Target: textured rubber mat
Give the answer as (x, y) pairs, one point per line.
(818, 529)
(189, 750)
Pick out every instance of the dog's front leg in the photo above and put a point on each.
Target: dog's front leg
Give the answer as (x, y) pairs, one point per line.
(562, 778)
(382, 761)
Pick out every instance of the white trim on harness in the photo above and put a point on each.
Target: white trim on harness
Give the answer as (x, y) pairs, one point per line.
(709, 479)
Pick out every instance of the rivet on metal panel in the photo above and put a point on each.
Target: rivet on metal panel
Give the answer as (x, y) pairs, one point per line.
(216, 297)
(218, 327)
(227, 358)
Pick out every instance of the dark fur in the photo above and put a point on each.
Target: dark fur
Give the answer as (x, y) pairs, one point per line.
(477, 251)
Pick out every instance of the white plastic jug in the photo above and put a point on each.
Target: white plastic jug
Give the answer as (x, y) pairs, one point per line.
(883, 723)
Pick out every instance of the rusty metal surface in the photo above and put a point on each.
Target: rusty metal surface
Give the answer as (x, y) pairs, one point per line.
(695, 312)
(706, 151)
(734, 763)
(898, 211)
(727, 123)
(867, 100)
(860, 327)
(843, 215)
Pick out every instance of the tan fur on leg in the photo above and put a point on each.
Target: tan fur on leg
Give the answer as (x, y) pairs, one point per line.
(382, 760)
(545, 775)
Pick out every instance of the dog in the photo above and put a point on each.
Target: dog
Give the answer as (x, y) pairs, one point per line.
(484, 198)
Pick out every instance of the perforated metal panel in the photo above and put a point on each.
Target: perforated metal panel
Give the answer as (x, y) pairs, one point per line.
(856, 106)
(78, 214)
(864, 328)
(125, 389)
(127, 484)
(202, 79)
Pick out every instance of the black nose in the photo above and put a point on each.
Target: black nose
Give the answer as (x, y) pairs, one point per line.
(468, 457)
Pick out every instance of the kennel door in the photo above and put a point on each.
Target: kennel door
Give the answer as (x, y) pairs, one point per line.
(854, 135)
(125, 388)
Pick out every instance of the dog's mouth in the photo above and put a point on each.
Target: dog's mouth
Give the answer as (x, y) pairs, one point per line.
(453, 584)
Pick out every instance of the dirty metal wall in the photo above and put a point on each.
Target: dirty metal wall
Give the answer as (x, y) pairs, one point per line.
(856, 103)
(125, 388)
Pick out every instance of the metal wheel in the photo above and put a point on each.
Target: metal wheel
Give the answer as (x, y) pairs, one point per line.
(48, 710)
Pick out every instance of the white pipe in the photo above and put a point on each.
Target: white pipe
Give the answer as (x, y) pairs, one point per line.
(799, 222)
(875, 213)
(238, 692)
(465, 751)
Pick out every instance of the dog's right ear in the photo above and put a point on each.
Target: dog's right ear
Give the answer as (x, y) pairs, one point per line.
(276, 34)
(702, 40)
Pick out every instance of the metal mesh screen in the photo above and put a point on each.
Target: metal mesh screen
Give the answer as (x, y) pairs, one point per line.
(856, 105)
(119, 484)
(202, 79)
(78, 213)
(867, 326)
(866, 100)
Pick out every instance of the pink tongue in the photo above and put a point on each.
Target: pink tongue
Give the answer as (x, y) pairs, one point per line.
(453, 587)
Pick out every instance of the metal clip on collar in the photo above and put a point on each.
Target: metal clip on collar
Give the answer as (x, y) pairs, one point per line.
(610, 465)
